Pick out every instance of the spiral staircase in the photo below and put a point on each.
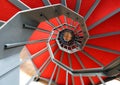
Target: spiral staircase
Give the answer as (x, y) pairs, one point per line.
(71, 42)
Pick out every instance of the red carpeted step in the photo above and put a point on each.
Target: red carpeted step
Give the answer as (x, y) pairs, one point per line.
(77, 80)
(47, 73)
(56, 31)
(55, 1)
(55, 74)
(104, 8)
(39, 60)
(75, 23)
(110, 25)
(37, 35)
(78, 30)
(75, 64)
(54, 22)
(86, 80)
(52, 42)
(45, 25)
(62, 77)
(85, 6)
(58, 55)
(110, 42)
(7, 10)
(102, 56)
(87, 62)
(71, 4)
(33, 3)
(96, 80)
(33, 48)
(69, 79)
(62, 19)
(69, 20)
(54, 48)
(65, 59)
(54, 36)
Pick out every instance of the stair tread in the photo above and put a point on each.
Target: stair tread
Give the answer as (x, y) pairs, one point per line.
(101, 11)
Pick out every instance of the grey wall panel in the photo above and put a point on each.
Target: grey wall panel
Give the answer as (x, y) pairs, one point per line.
(13, 32)
(11, 78)
(1, 23)
(8, 77)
